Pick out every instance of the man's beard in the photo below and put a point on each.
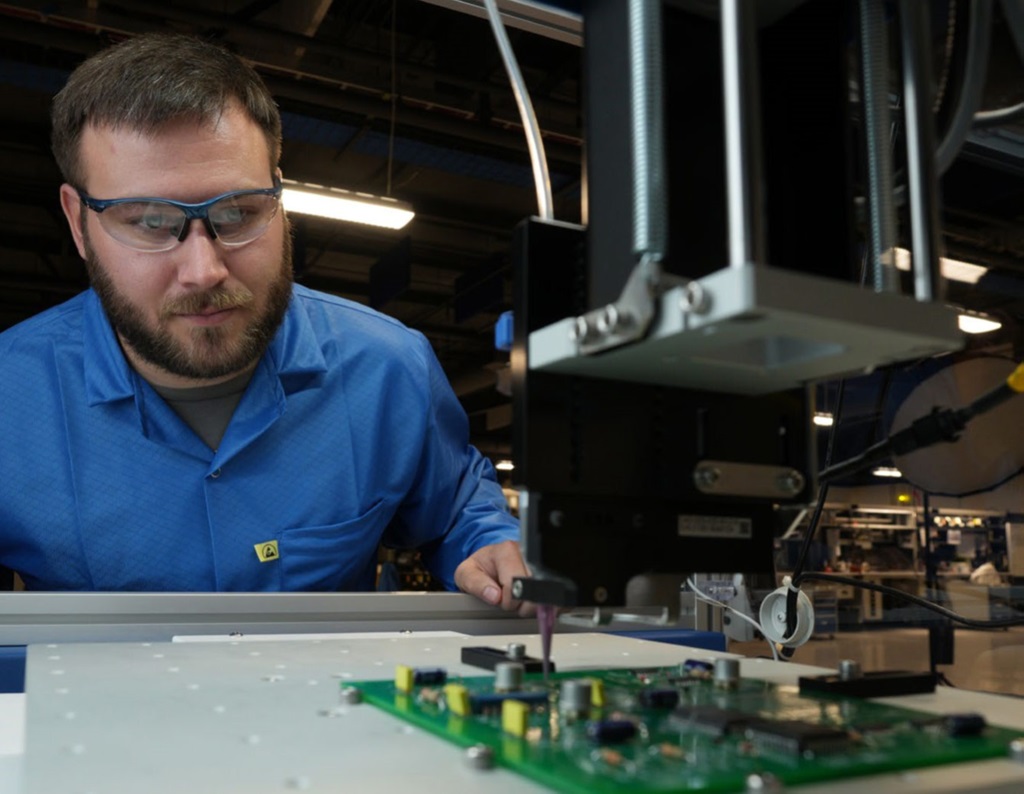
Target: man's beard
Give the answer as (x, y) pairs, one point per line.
(209, 352)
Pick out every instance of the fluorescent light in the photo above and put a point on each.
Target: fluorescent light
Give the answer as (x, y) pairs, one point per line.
(345, 205)
(822, 419)
(951, 268)
(504, 465)
(887, 471)
(976, 324)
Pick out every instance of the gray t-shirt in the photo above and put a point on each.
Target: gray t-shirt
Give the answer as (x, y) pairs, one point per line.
(207, 409)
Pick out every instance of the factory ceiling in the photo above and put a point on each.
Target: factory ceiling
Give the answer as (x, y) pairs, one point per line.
(409, 98)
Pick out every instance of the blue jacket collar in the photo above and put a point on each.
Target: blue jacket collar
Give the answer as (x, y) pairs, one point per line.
(294, 354)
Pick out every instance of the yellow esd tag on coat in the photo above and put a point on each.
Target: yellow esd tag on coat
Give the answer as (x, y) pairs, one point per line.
(267, 551)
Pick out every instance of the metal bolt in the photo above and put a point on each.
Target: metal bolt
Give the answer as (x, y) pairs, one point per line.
(849, 670)
(350, 695)
(792, 482)
(763, 783)
(608, 319)
(480, 756)
(600, 594)
(515, 651)
(580, 329)
(694, 299)
(706, 476)
(517, 589)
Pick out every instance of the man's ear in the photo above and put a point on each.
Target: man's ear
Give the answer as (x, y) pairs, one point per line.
(72, 206)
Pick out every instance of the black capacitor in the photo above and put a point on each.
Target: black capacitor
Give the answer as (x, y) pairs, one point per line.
(970, 724)
(429, 676)
(611, 731)
(659, 698)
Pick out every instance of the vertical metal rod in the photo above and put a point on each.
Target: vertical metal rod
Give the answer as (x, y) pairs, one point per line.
(922, 170)
(874, 45)
(647, 120)
(744, 180)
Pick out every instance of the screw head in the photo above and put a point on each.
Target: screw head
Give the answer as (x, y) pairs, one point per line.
(763, 783)
(694, 299)
(792, 482)
(350, 695)
(600, 594)
(608, 320)
(706, 476)
(480, 756)
(579, 330)
(517, 589)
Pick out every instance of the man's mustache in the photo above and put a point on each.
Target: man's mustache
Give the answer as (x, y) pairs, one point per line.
(198, 302)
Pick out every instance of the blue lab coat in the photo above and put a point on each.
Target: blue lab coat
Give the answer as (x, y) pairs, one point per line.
(348, 434)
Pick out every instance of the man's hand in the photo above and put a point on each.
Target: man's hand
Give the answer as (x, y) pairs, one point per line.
(488, 574)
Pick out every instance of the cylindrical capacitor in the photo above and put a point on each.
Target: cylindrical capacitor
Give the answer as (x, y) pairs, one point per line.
(727, 673)
(508, 676)
(574, 698)
(849, 670)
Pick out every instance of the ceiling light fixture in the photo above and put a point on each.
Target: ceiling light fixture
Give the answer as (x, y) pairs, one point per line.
(345, 205)
(822, 419)
(887, 471)
(504, 465)
(953, 269)
(977, 324)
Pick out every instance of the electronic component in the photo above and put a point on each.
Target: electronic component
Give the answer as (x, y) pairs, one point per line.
(564, 731)
(508, 676)
(488, 658)
(697, 668)
(457, 698)
(712, 720)
(797, 738)
(491, 701)
(871, 685)
(429, 676)
(574, 698)
(611, 731)
(970, 724)
(515, 715)
(727, 673)
(659, 698)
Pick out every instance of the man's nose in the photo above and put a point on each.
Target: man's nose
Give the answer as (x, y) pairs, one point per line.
(201, 258)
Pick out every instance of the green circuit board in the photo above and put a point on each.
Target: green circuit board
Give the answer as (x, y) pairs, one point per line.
(673, 729)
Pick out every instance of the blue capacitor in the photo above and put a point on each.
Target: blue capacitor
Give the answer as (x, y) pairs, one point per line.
(691, 666)
(611, 731)
(487, 701)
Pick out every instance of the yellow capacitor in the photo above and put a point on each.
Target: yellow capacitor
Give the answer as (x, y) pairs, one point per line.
(514, 717)
(457, 698)
(403, 678)
(597, 693)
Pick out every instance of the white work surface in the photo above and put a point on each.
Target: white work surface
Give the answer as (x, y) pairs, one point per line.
(253, 717)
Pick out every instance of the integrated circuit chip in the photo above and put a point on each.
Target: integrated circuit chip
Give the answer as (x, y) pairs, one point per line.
(711, 720)
(797, 738)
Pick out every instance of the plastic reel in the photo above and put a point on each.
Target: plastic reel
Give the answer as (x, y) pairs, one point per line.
(773, 618)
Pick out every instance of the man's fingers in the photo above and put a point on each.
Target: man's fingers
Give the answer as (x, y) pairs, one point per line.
(473, 579)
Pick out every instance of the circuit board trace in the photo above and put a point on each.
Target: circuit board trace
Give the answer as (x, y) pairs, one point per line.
(674, 729)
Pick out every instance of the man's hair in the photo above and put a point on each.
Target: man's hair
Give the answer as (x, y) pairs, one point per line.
(152, 80)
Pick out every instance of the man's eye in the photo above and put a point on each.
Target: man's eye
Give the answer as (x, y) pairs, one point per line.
(147, 217)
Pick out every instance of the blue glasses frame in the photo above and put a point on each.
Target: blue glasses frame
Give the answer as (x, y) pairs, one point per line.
(199, 211)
